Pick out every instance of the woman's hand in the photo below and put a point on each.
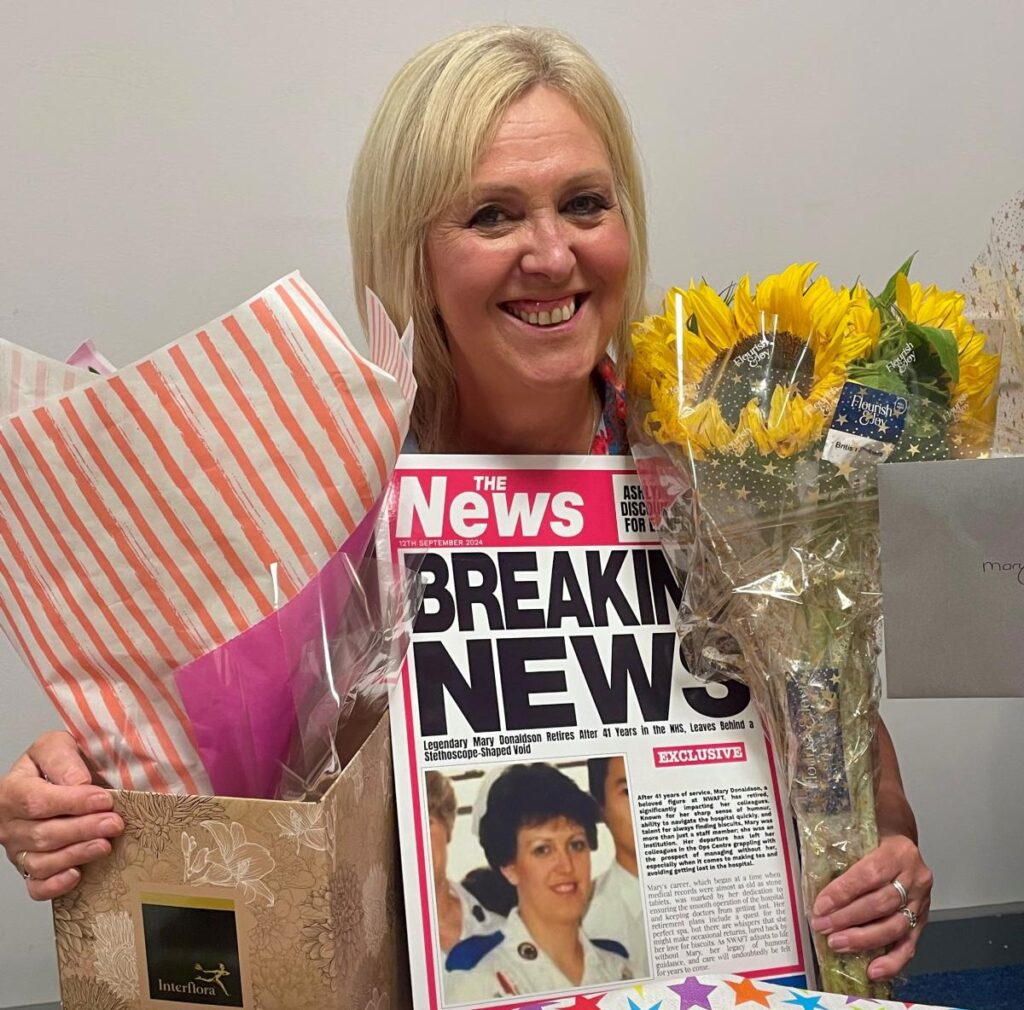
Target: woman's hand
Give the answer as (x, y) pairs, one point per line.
(52, 819)
(860, 910)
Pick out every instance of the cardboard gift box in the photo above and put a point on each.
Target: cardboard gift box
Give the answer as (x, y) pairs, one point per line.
(214, 901)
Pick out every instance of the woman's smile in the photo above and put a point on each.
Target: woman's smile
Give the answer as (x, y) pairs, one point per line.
(548, 313)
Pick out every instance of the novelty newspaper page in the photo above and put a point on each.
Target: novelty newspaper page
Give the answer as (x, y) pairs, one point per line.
(575, 809)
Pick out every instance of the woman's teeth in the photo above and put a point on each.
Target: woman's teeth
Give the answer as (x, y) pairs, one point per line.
(559, 314)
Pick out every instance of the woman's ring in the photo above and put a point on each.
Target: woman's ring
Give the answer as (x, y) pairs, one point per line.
(902, 893)
(20, 862)
(911, 916)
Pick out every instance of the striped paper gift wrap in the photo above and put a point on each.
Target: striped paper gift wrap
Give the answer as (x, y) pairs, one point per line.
(141, 512)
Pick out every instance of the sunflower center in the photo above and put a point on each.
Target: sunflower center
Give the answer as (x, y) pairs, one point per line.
(753, 368)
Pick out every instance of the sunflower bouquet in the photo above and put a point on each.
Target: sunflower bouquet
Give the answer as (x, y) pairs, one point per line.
(757, 419)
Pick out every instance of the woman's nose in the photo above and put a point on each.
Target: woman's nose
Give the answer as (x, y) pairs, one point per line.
(549, 249)
(563, 861)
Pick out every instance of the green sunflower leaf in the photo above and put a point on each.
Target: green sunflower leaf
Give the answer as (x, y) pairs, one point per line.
(943, 343)
(885, 299)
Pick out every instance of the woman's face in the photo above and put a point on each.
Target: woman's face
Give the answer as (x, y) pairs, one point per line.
(551, 871)
(529, 269)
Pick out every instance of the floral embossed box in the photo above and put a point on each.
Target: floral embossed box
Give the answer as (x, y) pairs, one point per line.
(263, 904)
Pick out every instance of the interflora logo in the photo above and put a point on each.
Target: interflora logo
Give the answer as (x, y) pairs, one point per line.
(206, 983)
(192, 949)
(1015, 568)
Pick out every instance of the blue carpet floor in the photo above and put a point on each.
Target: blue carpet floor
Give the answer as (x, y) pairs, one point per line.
(977, 989)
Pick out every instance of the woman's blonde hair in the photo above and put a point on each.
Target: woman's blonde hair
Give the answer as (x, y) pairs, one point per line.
(435, 121)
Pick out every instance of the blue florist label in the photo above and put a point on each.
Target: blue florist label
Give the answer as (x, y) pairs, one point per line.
(866, 426)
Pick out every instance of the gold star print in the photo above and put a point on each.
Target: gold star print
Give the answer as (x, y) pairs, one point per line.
(957, 439)
(736, 378)
(722, 485)
(761, 503)
(731, 510)
(769, 468)
(743, 494)
(883, 428)
(845, 470)
(791, 486)
(842, 419)
(913, 450)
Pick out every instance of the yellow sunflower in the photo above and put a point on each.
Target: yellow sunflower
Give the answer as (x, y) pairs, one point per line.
(973, 392)
(765, 370)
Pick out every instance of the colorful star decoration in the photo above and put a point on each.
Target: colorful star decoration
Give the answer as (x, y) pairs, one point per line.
(591, 1002)
(692, 993)
(636, 1006)
(804, 1000)
(747, 992)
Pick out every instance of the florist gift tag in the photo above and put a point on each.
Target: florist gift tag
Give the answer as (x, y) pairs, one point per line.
(142, 512)
(866, 426)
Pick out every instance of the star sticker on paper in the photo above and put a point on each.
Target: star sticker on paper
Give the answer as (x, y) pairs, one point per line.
(743, 494)
(804, 1000)
(913, 449)
(747, 992)
(692, 993)
(592, 1002)
(636, 1006)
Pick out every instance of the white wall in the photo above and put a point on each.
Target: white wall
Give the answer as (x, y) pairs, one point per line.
(159, 162)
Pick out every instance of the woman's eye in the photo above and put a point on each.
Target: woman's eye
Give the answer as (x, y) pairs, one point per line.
(586, 204)
(488, 217)
(541, 850)
(577, 845)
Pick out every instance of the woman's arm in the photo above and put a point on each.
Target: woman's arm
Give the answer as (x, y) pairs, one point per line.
(52, 819)
(860, 910)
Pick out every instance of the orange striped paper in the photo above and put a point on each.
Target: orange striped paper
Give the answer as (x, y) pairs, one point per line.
(140, 513)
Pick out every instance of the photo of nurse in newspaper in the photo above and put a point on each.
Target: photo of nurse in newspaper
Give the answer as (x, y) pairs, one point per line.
(538, 828)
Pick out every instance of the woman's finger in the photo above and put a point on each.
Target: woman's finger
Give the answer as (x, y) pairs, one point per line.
(873, 936)
(58, 759)
(894, 960)
(55, 886)
(57, 833)
(878, 904)
(864, 877)
(43, 865)
(25, 796)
